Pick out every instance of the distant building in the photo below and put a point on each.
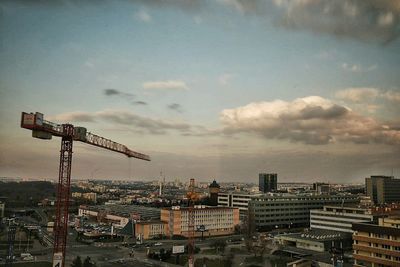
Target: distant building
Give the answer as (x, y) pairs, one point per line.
(88, 196)
(213, 190)
(383, 189)
(267, 182)
(269, 212)
(377, 244)
(321, 188)
(214, 220)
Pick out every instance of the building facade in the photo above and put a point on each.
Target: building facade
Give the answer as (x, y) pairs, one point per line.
(267, 182)
(2, 209)
(383, 189)
(214, 220)
(339, 218)
(269, 212)
(377, 244)
(236, 200)
(149, 230)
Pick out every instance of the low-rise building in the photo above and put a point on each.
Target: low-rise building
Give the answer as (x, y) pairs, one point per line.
(152, 229)
(213, 220)
(119, 215)
(377, 244)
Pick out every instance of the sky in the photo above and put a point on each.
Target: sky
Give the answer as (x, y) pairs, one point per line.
(210, 89)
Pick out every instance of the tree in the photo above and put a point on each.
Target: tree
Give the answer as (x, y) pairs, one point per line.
(77, 262)
(88, 262)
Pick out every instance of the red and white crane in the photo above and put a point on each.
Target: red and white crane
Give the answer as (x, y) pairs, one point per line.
(46, 130)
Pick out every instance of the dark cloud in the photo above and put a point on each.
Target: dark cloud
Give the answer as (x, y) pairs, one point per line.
(142, 103)
(310, 120)
(176, 107)
(110, 92)
(368, 20)
(136, 122)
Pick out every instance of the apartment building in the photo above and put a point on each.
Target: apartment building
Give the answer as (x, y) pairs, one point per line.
(377, 244)
(212, 220)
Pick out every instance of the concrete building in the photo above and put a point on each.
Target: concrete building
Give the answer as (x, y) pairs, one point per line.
(316, 240)
(238, 200)
(269, 212)
(88, 196)
(213, 191)
(338, 218)
(151, 229)
(215, 220)
(267, 182)
(377, 244)
(383, 189)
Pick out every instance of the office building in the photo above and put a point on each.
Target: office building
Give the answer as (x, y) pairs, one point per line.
(377, 244)
(285, 211)
(151, 229)
(267, 182)
(238, 200)
(213, 220)
(213, 191)
(383, 189)
(338, 218)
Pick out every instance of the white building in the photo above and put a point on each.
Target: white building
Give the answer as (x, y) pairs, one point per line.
(236, 200)
(338, 218)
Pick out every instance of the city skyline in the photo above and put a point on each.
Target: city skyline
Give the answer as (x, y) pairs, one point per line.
(220, 89)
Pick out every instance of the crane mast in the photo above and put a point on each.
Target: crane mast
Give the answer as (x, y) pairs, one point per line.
(192, 198)
(45, 130)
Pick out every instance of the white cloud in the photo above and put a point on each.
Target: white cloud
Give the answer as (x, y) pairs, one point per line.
(358, 94)
(367, 95)
(358, 68)
(143, 15)
(309, 120)
(166, 85)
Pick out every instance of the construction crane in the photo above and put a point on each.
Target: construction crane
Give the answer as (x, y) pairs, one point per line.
(46, 130)
(192, 197)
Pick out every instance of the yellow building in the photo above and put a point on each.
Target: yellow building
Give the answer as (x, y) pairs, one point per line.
(377, 245)
(148, 230)
(214, 220)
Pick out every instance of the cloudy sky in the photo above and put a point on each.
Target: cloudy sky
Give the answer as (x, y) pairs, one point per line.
(221, 89)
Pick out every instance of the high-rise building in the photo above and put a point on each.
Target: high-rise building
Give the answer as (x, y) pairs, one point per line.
(214, 190)
(267, 182)
(377, 244)
(383, 189)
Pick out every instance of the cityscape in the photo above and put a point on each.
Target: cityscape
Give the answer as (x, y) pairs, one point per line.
(215, 133)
